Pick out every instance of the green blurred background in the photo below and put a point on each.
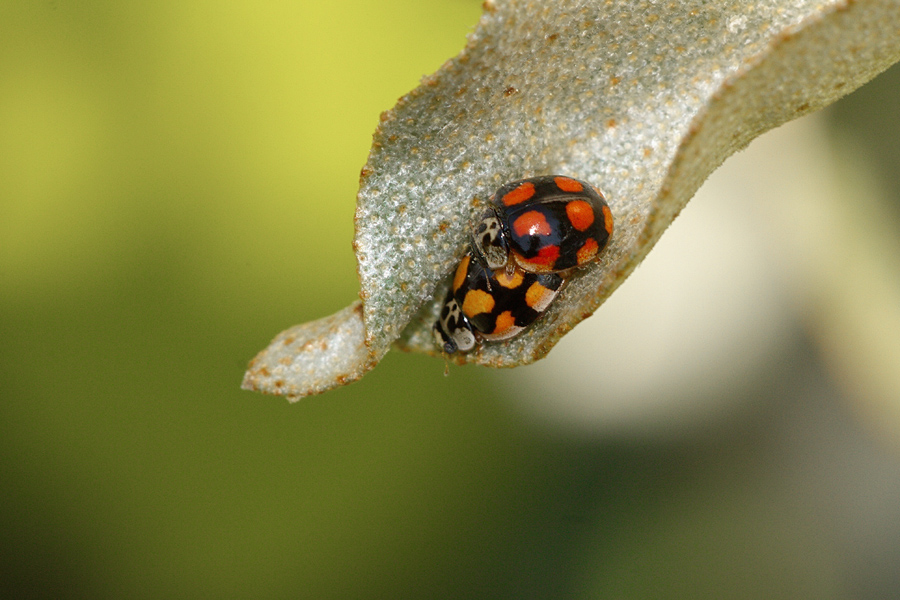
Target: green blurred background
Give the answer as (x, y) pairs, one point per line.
(177, 185)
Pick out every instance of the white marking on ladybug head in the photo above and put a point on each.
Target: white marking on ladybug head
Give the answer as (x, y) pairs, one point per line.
(489, 241)
(453, 332)
(441, 339)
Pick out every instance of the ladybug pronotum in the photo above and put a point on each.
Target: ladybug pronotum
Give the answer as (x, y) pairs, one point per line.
(496, 304)
(543, 224)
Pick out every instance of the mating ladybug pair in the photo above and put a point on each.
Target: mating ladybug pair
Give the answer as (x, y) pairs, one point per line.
(536, 232)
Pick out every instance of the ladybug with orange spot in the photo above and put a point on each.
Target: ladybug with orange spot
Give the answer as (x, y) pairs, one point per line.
(547, 224)
(496, 304)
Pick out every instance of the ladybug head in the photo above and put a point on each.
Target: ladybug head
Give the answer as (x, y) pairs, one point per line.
(443, 341)
(489, 241)
(452, 331)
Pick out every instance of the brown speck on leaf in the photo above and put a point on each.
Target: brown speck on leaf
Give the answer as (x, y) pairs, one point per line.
(552, 37)
(510, 91)
(610, 123)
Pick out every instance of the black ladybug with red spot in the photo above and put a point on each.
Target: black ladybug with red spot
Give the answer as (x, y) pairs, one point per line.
(543, 224)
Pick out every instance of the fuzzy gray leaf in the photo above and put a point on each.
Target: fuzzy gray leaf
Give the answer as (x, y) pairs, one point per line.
(642, 99)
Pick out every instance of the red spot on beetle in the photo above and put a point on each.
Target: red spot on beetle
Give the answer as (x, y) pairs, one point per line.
(567, 184)
(543, 261)
(581, 214)
(607, 220)
(519, 194)
(532, 223)
(587, 252)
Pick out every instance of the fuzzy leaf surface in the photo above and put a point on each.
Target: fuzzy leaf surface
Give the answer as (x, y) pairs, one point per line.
(642, 99)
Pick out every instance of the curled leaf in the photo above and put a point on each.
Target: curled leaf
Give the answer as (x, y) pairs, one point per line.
(313, 357)
(642, 99)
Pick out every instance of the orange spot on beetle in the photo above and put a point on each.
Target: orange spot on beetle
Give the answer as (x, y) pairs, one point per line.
(519, 194)
(531, 223)
(607, 220)
(509, 281)
(567, 184)
(477, 302)
(581, 214)
(587, 252)
(538, 297)
(460, 277)
(505, 321)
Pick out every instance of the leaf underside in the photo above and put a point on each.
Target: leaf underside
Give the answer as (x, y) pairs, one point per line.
(642, 99)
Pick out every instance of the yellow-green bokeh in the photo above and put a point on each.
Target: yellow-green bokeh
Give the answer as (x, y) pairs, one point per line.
(177, 185)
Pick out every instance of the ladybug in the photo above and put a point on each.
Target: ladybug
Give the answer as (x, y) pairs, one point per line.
(543, 225)
(496, 304)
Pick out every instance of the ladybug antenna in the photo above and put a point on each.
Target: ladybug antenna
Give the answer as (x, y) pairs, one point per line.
(487, 279)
